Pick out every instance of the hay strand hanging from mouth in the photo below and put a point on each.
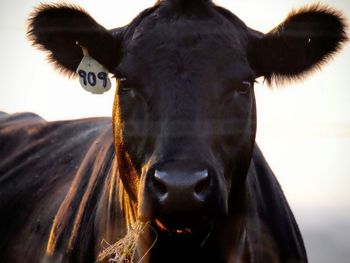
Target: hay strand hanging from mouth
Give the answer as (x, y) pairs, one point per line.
(123, 251)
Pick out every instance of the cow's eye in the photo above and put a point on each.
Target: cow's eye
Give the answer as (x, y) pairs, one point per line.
(245, 86)
(124, 85)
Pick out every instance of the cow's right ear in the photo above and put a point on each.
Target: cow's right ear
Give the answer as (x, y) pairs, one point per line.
(62, 30)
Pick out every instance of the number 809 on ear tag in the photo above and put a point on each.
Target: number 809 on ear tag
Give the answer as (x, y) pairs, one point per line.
(93, 77)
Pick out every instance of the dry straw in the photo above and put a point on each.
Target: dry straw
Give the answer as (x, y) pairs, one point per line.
(123, 251)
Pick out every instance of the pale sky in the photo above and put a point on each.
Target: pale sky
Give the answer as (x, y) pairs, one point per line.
(303, 129)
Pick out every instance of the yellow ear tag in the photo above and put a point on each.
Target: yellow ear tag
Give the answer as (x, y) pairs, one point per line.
(93, 77)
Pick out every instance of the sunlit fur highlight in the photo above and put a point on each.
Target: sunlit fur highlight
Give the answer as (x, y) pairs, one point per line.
(123, 157)
(95, 163)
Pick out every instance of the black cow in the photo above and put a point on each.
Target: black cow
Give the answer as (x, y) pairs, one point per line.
(180, 152)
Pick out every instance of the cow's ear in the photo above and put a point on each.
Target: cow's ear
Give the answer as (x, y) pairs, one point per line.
(62, 30)
(303, 42)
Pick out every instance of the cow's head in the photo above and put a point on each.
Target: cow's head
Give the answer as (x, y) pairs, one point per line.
(184, 114)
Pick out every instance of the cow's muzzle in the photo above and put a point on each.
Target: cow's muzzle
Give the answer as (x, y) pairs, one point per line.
(179, 195)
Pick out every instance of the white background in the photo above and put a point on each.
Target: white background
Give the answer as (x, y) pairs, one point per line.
(303, 128)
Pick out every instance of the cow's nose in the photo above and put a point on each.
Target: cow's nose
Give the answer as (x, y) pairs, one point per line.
(181, 190)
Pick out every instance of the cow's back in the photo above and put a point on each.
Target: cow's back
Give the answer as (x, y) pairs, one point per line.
(45, 172)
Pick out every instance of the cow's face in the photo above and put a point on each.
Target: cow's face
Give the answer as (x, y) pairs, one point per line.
(184, 113)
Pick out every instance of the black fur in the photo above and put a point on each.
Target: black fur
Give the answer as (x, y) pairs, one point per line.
(185, 97)
(306, 40)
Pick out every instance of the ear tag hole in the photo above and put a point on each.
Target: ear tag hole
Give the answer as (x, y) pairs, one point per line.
(93, 76)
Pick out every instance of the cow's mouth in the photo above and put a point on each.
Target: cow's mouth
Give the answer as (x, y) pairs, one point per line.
(195, 230)
(173, 229)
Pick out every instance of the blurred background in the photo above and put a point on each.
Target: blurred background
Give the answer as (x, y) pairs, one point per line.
(303, 128)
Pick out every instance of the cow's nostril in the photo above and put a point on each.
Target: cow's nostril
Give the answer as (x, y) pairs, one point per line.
(203, 186)
(159, 184)
(181, 189)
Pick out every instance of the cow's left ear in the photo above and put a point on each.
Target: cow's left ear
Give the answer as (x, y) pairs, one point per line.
(304, 41)
(62, 29)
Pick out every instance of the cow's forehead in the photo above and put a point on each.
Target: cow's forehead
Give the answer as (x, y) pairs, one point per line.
(183, 42)
(186, 33)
